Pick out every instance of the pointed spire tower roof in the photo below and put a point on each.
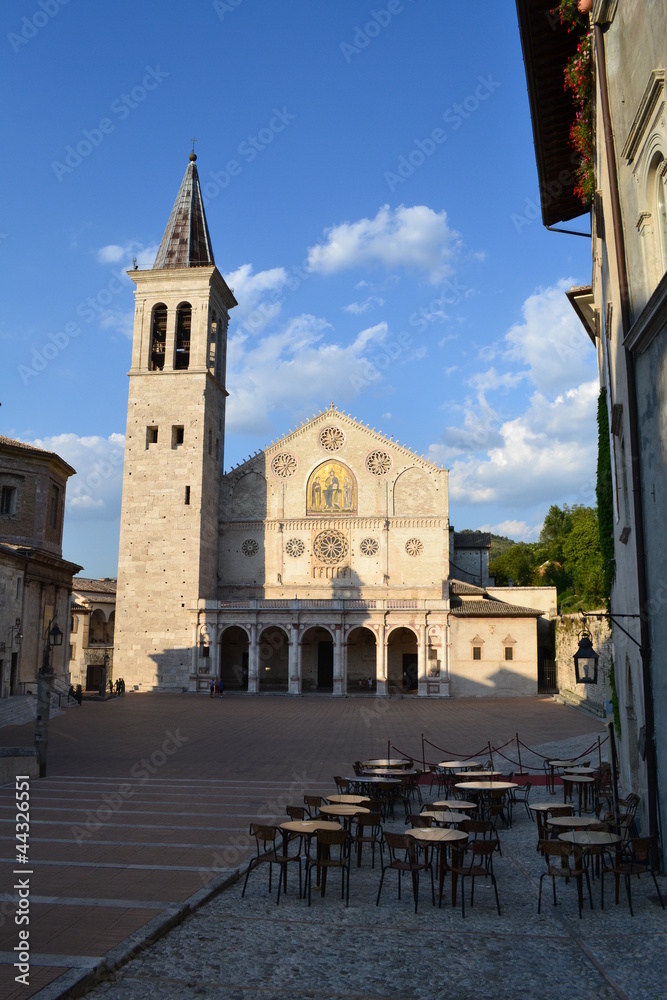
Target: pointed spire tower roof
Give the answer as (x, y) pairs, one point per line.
(186, 241)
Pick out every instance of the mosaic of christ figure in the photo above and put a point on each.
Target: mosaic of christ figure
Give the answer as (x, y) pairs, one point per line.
(331, 489)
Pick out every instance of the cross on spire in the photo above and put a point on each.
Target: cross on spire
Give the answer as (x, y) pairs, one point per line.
(193, 140)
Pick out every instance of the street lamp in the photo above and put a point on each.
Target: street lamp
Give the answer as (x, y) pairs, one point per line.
(53, 636)
(586, 660)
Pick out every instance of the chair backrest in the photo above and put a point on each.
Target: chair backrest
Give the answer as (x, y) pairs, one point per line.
(342, 784)
(398, 842)
(357, 767)
(313, 801)
(568, 854)
(417, 820)
(482, 849)
(630, 802)
(333, 838)
(372, 819)
(296, 812)
(641, 850)
(560, 811)
(264, 835)
(477, 827)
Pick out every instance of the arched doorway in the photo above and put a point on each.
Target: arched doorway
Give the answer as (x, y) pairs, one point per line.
(317, 660)
(273, 659)
(361, 660)
(234, 658)
(402, 671)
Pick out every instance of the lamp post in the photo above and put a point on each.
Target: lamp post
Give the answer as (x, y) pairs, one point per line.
(53, 637)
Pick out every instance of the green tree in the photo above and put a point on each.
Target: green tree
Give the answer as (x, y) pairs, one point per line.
(517, 565)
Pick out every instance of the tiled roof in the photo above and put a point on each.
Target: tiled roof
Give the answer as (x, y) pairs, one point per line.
(461, 587)
(84, 585)
(6, 442)
(186, 241)
(490, 608)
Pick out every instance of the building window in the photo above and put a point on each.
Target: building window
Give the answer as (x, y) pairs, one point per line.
(72, 651)
(74, 623)
(158, 338)
(477, 652)
(187, 496)
(54, 506)
(8, 501)
(177, 433)
(509, 652)
(151, 435)
(659, 182)
(183, 325)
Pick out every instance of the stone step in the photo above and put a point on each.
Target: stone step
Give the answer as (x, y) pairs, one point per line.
(22, 708)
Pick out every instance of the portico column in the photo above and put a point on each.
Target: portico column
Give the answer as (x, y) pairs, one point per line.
(422, 689)
(338, 661)
(381, 662)
(253, 662)
(294, 661)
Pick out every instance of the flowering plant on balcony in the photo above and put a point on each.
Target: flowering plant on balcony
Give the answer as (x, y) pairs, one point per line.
(578, 76)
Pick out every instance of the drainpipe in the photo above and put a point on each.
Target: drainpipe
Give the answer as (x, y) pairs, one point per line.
(619, 246)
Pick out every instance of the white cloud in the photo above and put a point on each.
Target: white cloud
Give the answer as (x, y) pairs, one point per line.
(357, 308)
(114, 253)
(94, 493)
(117, 319)
(416, 238)
(295, 370)
(518, 531)
(255, 311)
(551, 341)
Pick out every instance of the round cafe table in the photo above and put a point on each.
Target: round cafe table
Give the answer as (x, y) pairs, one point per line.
(572, 822)
(486, 786)
(580, 770)
(305, 828)
(551, 775)
(442, 836)
(444, 816)
(456, 804)
(582, 782)
(461, 765)
(390, 762)
(482, 774)
(347, 800)
(379, 772)
(590, 838)
(345, 812)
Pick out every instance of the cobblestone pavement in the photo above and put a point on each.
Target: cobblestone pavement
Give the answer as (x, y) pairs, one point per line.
(180, 832)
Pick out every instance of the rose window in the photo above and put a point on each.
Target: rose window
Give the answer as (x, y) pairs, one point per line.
(330, 546)
(332, 438)
(414, 547)
(369, 546)
(283, 465)
(295, 548)
(378, 463)
(250, 547)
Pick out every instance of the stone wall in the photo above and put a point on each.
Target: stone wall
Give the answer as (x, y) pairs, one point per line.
(594, 697)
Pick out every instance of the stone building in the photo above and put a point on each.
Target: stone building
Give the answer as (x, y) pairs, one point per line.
(320, 564)
(35, 580)
(624, 312)
(92, 624)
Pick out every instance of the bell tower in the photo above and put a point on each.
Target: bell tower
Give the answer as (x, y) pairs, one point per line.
(173, 451)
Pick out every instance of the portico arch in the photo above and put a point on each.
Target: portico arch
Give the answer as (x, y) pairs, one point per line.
(233, 645)
(361, 660)
(273, 659)
(317, 659)
(402, 659)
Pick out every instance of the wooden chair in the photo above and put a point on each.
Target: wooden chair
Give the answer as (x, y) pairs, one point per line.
(368, 830)
(564, 861)
(312, 804)
(297, 812)
(333, 851)
(636, 861)
(521, 794)
(268, 853)
(403, 859)
(479, 856)
(342, 785)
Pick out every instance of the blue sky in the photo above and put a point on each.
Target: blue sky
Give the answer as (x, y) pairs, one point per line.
(370, 187)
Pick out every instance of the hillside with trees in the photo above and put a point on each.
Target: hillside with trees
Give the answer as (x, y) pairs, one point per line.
(567, 556)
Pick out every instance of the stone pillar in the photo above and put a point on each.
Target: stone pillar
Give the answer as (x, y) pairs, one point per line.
(422, 661)
(381, 662)
(253, 661)
(170, 340)
(339, 665)
(294, 664)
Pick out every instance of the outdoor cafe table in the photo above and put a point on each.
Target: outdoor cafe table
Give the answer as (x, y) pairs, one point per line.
(456, 804)
(580, 770)
(442, 836)
(572, 822)
(359, 779)
(346, 812)
(551, 774)
(346, 800)
(379, 772)
(394, 763)
(460, 765)
(305, 828)
(486, 786)
(480, 774)
(590, 841)
(582, 782)
(444, 816)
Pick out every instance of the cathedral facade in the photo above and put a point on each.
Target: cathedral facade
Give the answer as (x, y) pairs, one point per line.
(320, 564)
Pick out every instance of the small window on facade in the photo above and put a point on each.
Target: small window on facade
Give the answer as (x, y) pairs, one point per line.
(177, 433)
(151, 436)
(8, 502)
(158, 338)
(509, 652)
(54, 506)
(187, 496)
(183, 325)
(19, 587)
(72, 651)
(477, 652)
(74, 623)
(205, 651)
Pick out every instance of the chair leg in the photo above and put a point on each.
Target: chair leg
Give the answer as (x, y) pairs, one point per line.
(377, 901)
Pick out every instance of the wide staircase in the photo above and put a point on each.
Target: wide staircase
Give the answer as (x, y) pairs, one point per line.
(22, 708)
